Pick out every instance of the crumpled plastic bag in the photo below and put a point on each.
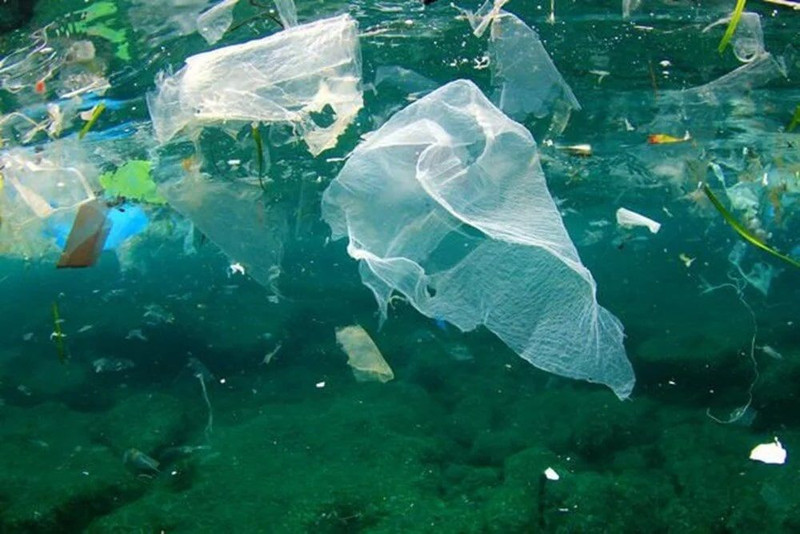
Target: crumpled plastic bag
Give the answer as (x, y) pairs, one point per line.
(286, 77)
(524, 78)
(447, 205)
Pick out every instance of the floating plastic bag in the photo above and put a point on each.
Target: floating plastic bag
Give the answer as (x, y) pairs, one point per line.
(447, 204)
(287, 12)
(230, 214)
(363, 355)
(285, 77)
(214, 22)
(524, 78)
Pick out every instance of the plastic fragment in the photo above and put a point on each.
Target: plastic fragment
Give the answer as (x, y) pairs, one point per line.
(287, 12)
(215, 21)
(285, 77)
(628, 218)
(551, 474)
(769, 453)
(363, 355)
(88, 235)
(524, 78)
(663, 139)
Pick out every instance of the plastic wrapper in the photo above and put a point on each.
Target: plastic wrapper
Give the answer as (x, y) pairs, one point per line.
(363, 355)
(447, 204)
(41, 191)
(87, 236)
(286, 77)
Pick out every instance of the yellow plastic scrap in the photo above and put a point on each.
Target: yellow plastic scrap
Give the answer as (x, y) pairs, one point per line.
(744, 232)
(731, 29)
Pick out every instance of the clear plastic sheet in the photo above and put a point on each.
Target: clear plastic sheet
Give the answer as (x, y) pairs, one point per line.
(286, 77)
(447, 204)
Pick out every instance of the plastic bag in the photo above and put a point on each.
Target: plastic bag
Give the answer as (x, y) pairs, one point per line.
(285, 77)
(524, 78)
(447, 204)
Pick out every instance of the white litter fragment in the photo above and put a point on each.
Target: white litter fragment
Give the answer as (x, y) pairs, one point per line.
(769, 453)
(628, 218)
(551, 474)
(235, 268)
(320, 385)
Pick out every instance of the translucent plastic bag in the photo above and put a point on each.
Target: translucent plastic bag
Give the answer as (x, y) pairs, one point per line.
(524, 77)
(447, 204)
(286, 77)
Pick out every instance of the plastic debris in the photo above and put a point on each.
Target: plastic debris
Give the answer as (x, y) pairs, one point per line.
(686, 259)
(551, 474)
(628, 218)
(769, 453)
(483, 17)
(436, 209)
(629, 6)
(285, 77)
(524, 78)
(214, 22)
(413, 83)
(140, 463)
(112, 365)
(666, 139)
(363, 355)
(772, 353)
(232, 215)
(88, 235)
(287, 12)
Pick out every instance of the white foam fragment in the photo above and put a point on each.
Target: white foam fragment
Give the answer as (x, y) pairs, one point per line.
(769, 453)
(628, 218)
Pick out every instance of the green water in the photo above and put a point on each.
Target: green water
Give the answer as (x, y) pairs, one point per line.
(459, 441)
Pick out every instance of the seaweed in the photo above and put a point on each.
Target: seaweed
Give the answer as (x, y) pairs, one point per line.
(96, 111)
(58, 335)
(795, 119)
(259, 155)
(731, 29)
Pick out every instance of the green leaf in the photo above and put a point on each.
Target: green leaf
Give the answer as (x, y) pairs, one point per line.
(132, 181)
